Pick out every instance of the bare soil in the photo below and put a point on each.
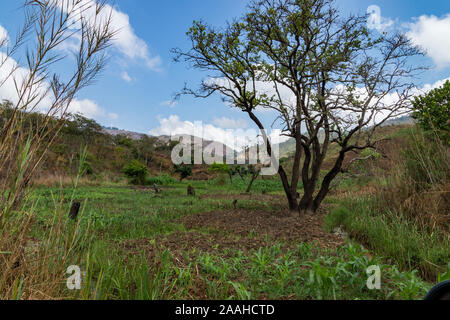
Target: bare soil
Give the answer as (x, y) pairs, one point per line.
(225, 232)
(283, 226)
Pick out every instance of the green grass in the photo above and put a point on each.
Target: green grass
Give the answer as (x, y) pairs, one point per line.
(114, 216)
(392, 235)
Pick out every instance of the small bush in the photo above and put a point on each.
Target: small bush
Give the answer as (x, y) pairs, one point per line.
(433, 109)
(87, 168)
(136, 172)
(336, 218)
(162, 180)
(184, 170)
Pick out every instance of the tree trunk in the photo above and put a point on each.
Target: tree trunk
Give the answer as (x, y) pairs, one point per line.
(254, 177)
(306, 205)
(325, 188)
(291, 192)
(292, 197)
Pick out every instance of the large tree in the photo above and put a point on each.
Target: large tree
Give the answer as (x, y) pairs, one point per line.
(327, 79)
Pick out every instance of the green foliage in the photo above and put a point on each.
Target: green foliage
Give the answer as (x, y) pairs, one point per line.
(136, 172)
(124, 225)
(87, 168)
(161, 180)
(336, 218)
(370, 153)
(444, 276)
(81, 126)
(124, 141)
(432, 110)
(392, 235)
(310, 273)
(185, 170)
(145, 148)
(220, 168)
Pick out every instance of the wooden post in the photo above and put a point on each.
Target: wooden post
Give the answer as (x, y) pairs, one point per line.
(191, 191)
(73, 214)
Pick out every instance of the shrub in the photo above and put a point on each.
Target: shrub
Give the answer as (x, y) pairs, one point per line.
(136, 172)
(162, 180)
(221, 168)
(184, 170)
(336, 218)
(87, 168)
(433, 110)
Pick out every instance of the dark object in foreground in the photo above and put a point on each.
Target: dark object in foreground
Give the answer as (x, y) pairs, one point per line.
(440, 292)
(73, 214)
(190, 191)
(155, 187)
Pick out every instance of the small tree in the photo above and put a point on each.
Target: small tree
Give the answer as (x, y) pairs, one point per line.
(146, 148)
(184, 170)
(222, 168)
(136, 172)
(254, 171)
(241, 171)
(432, 110)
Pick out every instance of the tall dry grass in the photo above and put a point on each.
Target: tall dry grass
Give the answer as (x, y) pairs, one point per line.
(32, 268)
(35, 268)
(419, 186)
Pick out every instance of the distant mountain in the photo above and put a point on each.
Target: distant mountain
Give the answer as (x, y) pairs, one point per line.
(400, 121)
(221, 150)
(129, 134)
(287, 148)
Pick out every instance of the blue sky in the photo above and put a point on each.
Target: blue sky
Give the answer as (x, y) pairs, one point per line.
(140, 79)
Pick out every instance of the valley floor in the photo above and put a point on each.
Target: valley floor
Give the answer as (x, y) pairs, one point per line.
(135, 244)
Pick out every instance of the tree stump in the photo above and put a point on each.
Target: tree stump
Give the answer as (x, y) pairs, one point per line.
(191, 191)
(235, 204)
(73, 214)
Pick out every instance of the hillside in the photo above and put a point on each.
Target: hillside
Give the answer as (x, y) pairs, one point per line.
(287, 148)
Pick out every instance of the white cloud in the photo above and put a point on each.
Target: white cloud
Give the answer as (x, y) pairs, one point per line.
(168, 103)
(113, 116)
(433, 35)
(86, 107)
(428, 87)
(172, 126)
(4, 38)
(261, 88)
(129, 43)
(8, 91)
(126, 77)
(125, 41)
(227, 123)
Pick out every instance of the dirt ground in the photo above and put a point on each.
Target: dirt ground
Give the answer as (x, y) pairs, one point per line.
(224, 232)
(276, 226)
